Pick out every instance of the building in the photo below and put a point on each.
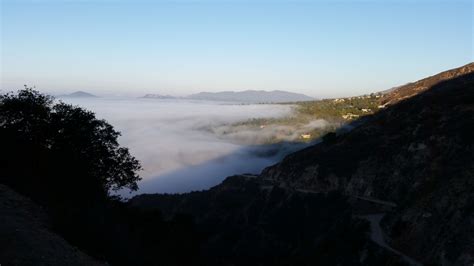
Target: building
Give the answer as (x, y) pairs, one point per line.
(350, 116)
(306, 136)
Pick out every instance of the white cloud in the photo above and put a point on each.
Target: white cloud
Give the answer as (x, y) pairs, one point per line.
(177, 150)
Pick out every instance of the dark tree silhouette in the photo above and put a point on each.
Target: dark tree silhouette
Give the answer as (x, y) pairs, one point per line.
(61, 148)
(66, 159)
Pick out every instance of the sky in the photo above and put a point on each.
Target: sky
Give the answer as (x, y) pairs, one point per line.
(319, 48)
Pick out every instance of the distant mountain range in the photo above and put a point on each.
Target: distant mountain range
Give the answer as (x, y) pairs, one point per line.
(248, 96)
(158, 96)
(251, 96)
(79, 94)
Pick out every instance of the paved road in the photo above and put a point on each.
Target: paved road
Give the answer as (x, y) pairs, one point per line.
(374, 200)
(376, 235)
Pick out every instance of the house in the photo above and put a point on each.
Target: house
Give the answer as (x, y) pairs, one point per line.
(350, 116)
(306, 136)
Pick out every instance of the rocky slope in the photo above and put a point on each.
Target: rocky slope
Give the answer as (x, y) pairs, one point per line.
(250, 221)
(413, 161)
(26, 237)
(417, 154)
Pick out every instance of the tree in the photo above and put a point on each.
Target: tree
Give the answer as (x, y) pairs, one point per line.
(59, 152)
(66, 159)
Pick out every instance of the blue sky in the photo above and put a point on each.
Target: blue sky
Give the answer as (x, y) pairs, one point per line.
(320, 48)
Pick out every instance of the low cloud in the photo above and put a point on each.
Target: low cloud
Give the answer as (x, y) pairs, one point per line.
(181, 144)
(266, 133)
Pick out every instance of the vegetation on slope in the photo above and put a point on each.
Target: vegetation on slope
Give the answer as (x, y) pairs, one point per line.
(310, 120)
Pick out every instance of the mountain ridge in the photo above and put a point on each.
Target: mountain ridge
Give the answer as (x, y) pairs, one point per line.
(413, 88)
(247, 96)
(253, 96)
(400, 162)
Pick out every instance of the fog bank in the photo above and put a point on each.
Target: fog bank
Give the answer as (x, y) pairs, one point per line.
(169, 139)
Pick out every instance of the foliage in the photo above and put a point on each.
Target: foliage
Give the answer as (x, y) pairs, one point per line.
(336, 112)
(66, 159)
(47, 144)
(334, 109)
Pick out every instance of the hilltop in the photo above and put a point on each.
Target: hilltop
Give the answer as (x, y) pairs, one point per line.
(79, 94)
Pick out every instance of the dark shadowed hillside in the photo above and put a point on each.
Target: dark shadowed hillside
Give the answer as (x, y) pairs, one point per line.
(418, 154)
(411, 163)
(250, 221)
(28, 238)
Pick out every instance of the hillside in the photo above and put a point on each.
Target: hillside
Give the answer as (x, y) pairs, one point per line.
(417, 154)
(343, 112)
(27, 238)
(408, 170)
(250, 221)
(414, 88)
(251, 96)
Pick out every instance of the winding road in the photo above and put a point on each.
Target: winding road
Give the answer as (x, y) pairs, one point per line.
(376, 235)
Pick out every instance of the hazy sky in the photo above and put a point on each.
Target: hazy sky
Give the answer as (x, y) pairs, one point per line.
(320, 48)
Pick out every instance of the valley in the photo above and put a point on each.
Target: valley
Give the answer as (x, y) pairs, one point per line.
(385, 165)
(236, 133)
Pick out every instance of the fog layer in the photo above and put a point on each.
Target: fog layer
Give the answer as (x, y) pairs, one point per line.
(178, 152)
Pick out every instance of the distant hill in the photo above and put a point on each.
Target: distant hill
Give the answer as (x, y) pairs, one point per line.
(251, 96)
(79, 94)
(158, 96)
